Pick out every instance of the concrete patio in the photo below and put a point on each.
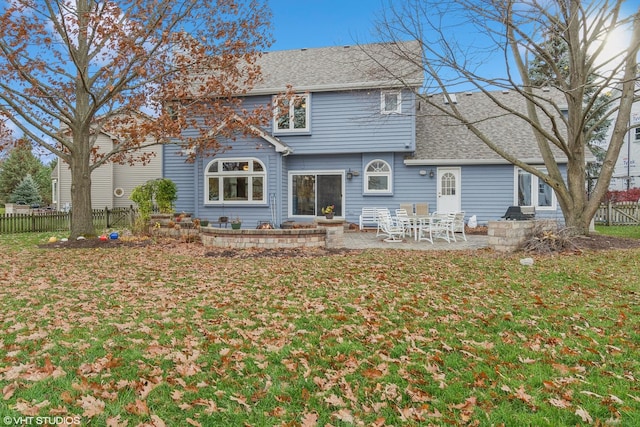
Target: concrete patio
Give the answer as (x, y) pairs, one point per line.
(368, 240)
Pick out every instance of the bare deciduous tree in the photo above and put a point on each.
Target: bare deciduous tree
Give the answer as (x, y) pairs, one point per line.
(513, 33)
(71, 69)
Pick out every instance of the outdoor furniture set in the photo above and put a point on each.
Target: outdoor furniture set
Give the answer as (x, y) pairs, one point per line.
(419, 224)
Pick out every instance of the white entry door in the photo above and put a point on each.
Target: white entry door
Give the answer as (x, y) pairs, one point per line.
(449, 190)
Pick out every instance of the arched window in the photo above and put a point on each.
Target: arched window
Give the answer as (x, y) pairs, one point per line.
(235, 181)
(448, 184)
(377, 177)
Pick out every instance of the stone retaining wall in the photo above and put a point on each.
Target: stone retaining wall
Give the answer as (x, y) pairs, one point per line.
(507, 236)
(268, 239)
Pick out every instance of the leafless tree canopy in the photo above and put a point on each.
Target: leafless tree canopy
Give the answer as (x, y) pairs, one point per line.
(487, 46)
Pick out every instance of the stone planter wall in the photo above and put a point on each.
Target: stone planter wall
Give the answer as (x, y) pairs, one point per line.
(335, 231)
(507, 236)
(268, 239)
(326, 234)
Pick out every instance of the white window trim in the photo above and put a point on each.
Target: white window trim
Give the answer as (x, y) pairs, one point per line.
(367, 174)
(222, 174)
(313, 172)
(306, 129)
(383, 106)
(534, 194)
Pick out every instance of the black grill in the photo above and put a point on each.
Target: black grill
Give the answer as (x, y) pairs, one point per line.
(519, 213)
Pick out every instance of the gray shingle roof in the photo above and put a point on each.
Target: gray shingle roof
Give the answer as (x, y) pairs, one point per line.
(339, 68)
(442, 140)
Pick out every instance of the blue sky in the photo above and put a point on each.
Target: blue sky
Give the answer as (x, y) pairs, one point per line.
(320, 23)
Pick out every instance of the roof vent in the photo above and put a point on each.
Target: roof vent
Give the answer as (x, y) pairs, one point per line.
(346, 46)
(505, 91)
(453, 97)
(546, 89)
(469, 93)
(303, 49)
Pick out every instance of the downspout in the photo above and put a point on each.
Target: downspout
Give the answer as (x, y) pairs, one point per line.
(196, 186)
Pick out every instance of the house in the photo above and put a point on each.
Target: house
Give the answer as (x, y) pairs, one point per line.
(626, 172)
(111, 183)
(353, 137)
(470, 176)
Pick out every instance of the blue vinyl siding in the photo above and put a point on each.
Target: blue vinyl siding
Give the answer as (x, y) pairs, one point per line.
(347, 132)
(351, 122)
(182, 174)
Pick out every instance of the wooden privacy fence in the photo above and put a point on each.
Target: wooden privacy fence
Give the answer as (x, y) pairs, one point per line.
(618, 213)
(46, 220)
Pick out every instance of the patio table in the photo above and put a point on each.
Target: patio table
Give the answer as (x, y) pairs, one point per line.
(414, 221)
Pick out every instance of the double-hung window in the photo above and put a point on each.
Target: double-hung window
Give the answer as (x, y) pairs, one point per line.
(532, 191)
(239, 181)
(391, 102)
(291, 114)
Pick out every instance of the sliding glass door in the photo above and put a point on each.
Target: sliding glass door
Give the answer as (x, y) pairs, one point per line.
(310, 192)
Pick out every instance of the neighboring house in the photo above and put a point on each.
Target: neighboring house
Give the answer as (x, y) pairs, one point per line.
(111, 183)
(353, 138)
(626, 172)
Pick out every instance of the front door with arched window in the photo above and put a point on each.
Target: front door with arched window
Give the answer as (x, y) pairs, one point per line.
(449, 199)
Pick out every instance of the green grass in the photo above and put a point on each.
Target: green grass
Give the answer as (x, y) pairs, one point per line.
(632, 231)
(373, 338)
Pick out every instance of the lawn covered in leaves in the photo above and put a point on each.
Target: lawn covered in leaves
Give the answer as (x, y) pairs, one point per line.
(163, 335)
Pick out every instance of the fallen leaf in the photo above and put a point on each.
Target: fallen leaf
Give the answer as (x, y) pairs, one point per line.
(344, 415)
(335, 401)
(92, 406)
(8, 390)
(560, 403)
(309, 419)
(584, 415)
(139, 407)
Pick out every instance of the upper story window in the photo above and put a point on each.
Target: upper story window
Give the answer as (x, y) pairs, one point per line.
(377, 176)
(235, 181)
(391, 102)
(292, 115)
(637, 135)
(532, 191)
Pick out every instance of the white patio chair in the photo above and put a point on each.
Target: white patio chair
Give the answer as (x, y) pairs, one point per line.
(402, 218)
(442, 226)
(407, 207)
(381, 211)
(390, 228)
(458, 226)
(424, 230)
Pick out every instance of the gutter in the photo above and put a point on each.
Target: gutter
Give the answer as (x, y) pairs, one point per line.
(466, 161)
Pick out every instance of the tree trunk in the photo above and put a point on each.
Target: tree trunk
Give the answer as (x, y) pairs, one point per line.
(577, 221)
(81, 210)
